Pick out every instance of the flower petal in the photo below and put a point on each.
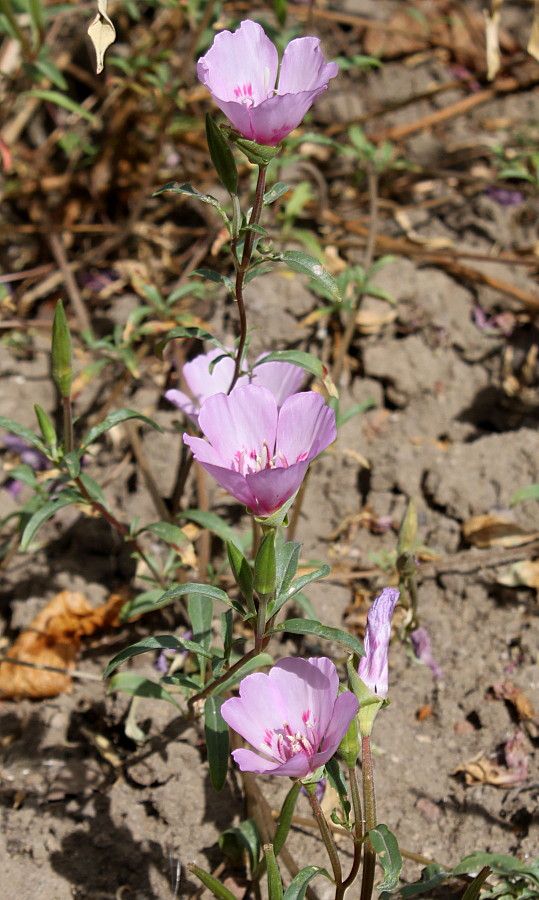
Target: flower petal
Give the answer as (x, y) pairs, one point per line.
(246, 419)
(304, 68)
(202, 382)
(183, 402)
(306, 426)
(310, 687)
(281, 378)
(233, 482)
(345, 708)
(271, 488)
(373, 667)
(240, 66)
(273, 119)
(298, 766)
(260, 709)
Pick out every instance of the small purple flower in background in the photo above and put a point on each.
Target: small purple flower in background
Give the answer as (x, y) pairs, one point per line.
(505, 196)
(281, 378)
(422, 648)
(258, 453)
(294, 717)
(373, 667)
(28, 455)
(240, 72)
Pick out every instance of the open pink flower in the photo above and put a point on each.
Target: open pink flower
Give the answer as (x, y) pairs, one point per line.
(294, 717)
(240, 72)
(257, 452)
(373, 667)
(281, 378)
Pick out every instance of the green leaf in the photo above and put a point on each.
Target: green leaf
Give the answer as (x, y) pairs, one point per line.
(221, 156)
(138, 686)
(188, 191)
(263, 660)
(93, 489)
(474, 889)
(63, 101)
(531, 492)
(287, 566)
(234, 842)
(47, 428)
(285, 818)
(275, 192)
(216, 277)
(61, 352)
(296, 890)
(500, 863)
(356, 410)
(213, 523)
(295, 588)
(25, 474)
(200, 609)
(121, 415)
(156, 642)
(142, 604)
(431, 877)
(309, 626)
(46, 512)
(217, 741)
(275, 883)
(218, 890)
(72, 463)
(168, 533)
(305, 360)
(22, 432)
(200, 334)
(308, 265)
(387, 849)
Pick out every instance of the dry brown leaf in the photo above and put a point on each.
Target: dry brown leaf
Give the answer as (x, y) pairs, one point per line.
(495, 531)
(492, 38)
(481, 770)
(521, 574)
(102, 34)
(53, 639)
(506, 690)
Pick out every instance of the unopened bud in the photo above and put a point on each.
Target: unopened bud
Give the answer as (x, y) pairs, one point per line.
(62, 361)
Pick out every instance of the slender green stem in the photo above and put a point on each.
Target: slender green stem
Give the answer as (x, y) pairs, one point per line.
(214, 684)
(5, 8)
(329, 841)
(242, 266)
(260, 624)
(68, 424)
(358, 827)
(369, 802)
(411, 584)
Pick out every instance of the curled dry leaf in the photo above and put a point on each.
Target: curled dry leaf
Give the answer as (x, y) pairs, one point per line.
(521, 574)
(53, 639)
(506, 690)
(495, 531)
(481, 770)
(102, 34)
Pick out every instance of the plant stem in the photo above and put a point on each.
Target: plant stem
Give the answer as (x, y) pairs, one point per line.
(329, 841)
(358, 829)
(260, 624)
(213, 684)
(241, 268)
(369, 802)
(68, 424)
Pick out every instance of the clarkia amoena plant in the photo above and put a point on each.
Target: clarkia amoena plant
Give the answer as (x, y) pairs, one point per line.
(256, 433)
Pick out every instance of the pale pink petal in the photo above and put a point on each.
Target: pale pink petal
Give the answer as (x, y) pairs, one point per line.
(271, 488)
(306, 426)
(297, 766)
(202, 382)
(275, 118)
(304, 68)
(260, 708)
(232, 482)
(373, 667)
(246, 419)
(183, 402)
(346, 707)
(281, 378)
(240, 66)
(310, 687)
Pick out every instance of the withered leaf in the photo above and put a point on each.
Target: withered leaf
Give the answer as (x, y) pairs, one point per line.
(495, 531)
(102, 34)
(53, 639)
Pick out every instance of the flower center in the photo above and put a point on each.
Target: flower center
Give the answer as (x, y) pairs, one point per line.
(247, 462)
(244, 94)
(283, 743)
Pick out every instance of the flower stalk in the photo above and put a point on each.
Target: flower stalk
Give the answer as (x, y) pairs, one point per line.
(369, 804)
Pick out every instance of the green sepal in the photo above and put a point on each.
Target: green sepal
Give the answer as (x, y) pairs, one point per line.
(275, 883)
(47, 429)
(408, 530)
(222, 156)
(277, 518)
(369, 703)
(62, 358)
(258, 154)
(265, 567)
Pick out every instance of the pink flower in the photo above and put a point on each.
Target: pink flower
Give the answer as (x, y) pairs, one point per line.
(293, 716)
(240, 72)
(373, 667)
(258, 453)
(281, 378)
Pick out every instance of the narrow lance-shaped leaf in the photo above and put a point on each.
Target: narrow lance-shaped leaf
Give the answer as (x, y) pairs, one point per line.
(298, 887)
(308, 265)
(23, 432)
(275, 884)
(46, 512)
(387, 849)
(218, 890)
(221, 156)
(115, 418)
(156, 642)
(308, 626)
(217, 741)
(138, 686)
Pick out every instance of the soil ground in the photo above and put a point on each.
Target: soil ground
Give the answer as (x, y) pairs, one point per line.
(87, 813)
